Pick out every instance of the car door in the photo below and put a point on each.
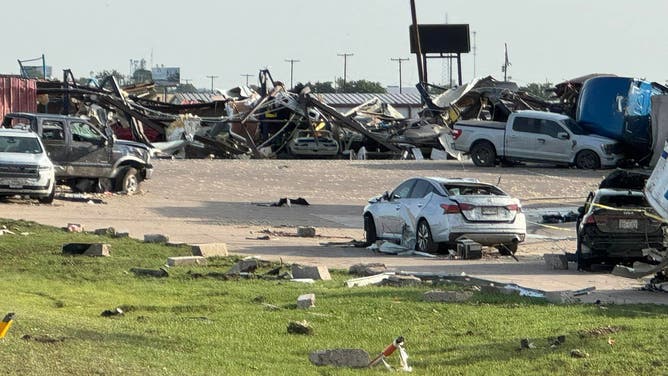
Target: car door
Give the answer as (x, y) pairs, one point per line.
(553, 142)
(90, 153)
(520, 142)
(416, 202)
(390, 213)
(55, 143)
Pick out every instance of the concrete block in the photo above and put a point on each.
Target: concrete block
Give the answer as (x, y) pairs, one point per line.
(186, 260)
(156, 238)
(306, 231)
(300, 327)
(556, 261)
(210, 249)
(119, 235)
(561, 297)
(317, 272)
(401, 281)
(447, 296)
(306, 301)
(87, 249)
(352, 358)
(366, 270)
(107, 231)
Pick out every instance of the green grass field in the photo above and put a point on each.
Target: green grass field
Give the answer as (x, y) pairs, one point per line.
(193, 324)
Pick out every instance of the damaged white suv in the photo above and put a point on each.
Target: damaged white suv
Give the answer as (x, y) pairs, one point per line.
(25, 168)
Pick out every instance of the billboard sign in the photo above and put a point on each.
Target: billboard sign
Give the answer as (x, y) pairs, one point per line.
(442, 38)
(36, 71)
(166, 76)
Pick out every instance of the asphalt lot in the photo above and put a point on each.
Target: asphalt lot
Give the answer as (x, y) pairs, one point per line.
(201, 201)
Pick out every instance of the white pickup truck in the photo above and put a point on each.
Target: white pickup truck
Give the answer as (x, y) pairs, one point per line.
(534, 136)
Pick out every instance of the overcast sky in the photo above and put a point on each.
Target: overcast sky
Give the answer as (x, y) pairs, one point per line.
(547, 39)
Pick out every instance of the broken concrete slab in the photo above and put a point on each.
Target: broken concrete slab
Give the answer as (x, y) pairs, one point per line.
(107, 231)
(370, 280)
(447, 296)
(306, 231)
(493, 289)
(300, 327)
(401, 281)
(556, 261)
(244, 266)
(156, 238)
(317, 272)
(352, 358)
(119, 235)
(210, 250)
(74, 227)
(186, 260)
(561, 297)
(87, 249)
(306, 301)
(159, 273)
(366, 270)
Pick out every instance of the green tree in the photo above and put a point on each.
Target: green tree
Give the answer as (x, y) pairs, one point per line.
(361, 86)
(538, 89)
(121, 78)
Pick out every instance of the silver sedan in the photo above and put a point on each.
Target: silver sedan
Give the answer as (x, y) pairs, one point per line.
(438, 211)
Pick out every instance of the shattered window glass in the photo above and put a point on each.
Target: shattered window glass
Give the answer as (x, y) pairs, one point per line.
(85, 132)
(472, 189)
(52, 130)
(624, 201)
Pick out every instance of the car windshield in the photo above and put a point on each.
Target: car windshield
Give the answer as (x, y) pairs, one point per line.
(459, 189)
(575, 127)
(624, 201)
(14, 144)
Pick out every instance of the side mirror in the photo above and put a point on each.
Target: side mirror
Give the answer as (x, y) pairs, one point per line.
(563, 136)
(386, 196)
(581, 210)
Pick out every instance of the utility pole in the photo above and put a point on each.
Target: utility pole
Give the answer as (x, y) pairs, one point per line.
(345, 67)
(247, 76)
(475, 50)
(506, 63)
(292, 64)
(399, 60)
(212, 78)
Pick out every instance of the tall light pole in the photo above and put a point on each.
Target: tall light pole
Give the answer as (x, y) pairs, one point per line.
(292, 65)
(247, 76)
(212, 78)
(399, 60)
(475, 51)
(345, 67)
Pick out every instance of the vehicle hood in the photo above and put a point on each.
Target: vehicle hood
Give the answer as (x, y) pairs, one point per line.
(130, 144)
(25, 158)
(595, 138)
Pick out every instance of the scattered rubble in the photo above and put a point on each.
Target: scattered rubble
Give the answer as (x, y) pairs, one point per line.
(366, 270)
(87, 249)
(556, 261)
(210, 250)
(306, 232)
(74, 227)
(300, 327)
(316, 272)
(141, 272)
(306, 301)
(112, 312)
(107, 231)
(447, 296)
(156, 238)
(577, 353)
(186, 260)
(352, 358)
(401, 281)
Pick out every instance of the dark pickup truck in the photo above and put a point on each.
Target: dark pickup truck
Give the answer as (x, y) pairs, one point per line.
(85, 158)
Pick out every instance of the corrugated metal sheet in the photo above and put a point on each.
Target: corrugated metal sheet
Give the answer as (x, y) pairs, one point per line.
(355, 99)
(181, 98)
(17, 95)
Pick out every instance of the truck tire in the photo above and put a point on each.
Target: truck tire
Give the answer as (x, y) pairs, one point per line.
(127, 181)
(587, 160)
(483, 154)
(48, 199)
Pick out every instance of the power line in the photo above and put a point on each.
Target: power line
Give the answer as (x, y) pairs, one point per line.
(292, 64)
(399, 60)
(345, 66)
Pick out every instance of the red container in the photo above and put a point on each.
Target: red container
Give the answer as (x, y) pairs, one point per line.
(17, 95)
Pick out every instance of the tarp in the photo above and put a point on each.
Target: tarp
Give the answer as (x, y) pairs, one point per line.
(656, 189)
(659, 126)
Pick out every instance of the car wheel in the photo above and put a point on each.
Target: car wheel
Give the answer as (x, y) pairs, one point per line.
(587, 160)
(507, 249)
(369, 230)
(582, 263)
(424, 242)
(127, 181)
(483, 154)
(48, 199)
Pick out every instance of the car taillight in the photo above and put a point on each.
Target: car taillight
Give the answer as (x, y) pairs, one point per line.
(466, 207)
(450, 209)
(590, 220)
(514, 207)
(456, 133)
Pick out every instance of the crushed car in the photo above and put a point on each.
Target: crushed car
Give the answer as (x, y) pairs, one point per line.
(617, 225)
(85, 158)
(25, 168)
(435, 213)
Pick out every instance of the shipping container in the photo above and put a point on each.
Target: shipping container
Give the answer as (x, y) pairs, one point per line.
(17, 95)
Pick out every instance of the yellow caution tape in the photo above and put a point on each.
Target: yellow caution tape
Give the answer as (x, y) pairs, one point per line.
(642, 211)
(550, 227)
